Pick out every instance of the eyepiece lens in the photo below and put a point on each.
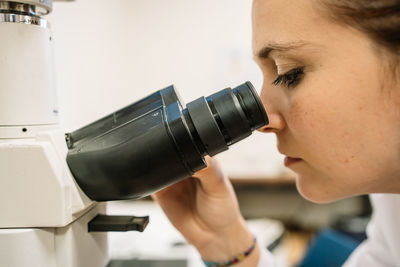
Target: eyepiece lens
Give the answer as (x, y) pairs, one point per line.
(227, 117)
(251, 105)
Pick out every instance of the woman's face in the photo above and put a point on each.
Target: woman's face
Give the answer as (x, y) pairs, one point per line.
(331, 100)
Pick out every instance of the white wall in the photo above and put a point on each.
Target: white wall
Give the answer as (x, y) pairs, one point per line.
(111, 53)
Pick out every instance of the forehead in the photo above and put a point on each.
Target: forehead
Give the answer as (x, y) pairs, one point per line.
(287, 21)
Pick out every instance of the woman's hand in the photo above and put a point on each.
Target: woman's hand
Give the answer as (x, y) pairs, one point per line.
(205, 210)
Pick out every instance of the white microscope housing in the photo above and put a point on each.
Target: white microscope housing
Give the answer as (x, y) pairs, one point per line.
(43, 214)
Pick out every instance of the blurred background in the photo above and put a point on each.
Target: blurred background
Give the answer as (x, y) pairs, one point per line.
(111, 53)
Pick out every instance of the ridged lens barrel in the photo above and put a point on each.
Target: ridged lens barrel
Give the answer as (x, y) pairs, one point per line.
(156, 141)
(226, 117)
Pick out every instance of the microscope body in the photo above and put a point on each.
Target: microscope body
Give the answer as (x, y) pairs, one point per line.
(48, 180)
(44, 215)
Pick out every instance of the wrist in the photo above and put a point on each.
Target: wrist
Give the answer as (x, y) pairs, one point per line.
(229, 243)
(249, 258)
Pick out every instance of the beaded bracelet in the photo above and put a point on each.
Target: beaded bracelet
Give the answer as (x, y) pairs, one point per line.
(235, 260)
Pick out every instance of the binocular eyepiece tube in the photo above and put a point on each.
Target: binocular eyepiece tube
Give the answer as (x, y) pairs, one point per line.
(156, 142)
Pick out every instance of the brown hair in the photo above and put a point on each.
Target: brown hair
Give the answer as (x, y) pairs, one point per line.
(379, 19)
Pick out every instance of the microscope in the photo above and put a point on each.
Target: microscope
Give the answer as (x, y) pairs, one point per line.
(53, 185)
(44, 214)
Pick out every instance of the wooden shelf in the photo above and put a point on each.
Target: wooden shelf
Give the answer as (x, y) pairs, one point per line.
(284, 180)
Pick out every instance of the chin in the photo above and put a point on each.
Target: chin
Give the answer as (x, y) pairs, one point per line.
(314, 191)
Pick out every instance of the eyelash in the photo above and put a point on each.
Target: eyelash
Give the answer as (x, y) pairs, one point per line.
(290, 78)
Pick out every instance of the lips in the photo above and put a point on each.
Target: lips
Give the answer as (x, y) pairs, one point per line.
(290, 161)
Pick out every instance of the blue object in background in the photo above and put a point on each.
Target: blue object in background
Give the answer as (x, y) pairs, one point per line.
(329, 249)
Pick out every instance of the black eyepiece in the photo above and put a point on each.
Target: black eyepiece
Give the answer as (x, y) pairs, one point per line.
(156, 142)
(227, 116)
(251, 105)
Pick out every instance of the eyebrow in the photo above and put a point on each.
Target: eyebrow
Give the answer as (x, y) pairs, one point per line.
(266, 50)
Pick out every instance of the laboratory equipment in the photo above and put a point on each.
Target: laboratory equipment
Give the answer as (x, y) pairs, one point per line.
(46, 219)
(44, 215)
(156, 141)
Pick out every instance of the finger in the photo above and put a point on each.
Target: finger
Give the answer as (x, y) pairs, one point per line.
(177, 191)
(176, 201)
(213, 180)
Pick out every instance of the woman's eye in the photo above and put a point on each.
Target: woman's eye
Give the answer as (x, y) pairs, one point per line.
(290, 78)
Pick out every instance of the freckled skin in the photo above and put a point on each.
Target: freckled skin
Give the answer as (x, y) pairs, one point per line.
(337, 119)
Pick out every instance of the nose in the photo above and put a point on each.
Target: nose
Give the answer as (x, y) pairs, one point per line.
(275, 125)
(272, 104)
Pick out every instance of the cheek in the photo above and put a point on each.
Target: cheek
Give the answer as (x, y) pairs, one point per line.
(323, 131)
(304, 115)
(310, 119)
(334, 135)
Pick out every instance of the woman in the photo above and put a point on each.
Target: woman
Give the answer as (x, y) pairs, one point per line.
(332, 93)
